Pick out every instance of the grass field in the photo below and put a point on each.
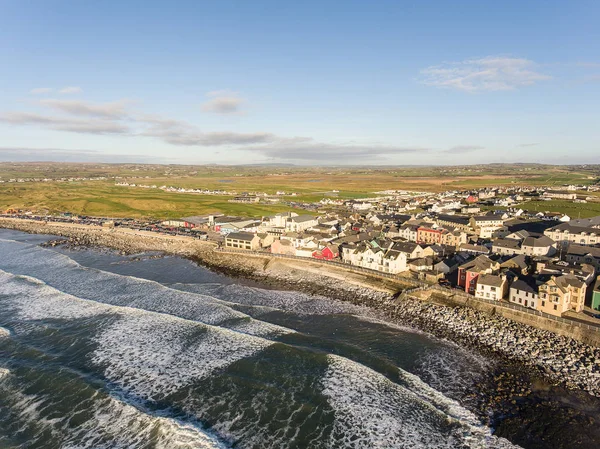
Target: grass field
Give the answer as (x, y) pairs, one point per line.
(311, 185)
(573, 210)
(104, 199)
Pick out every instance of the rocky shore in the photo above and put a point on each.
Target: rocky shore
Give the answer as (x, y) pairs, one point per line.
(557, 359)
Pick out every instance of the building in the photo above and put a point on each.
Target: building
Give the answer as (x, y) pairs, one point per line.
(506, 247)
(583, 254)
(455, 221)
(429, 236)
(470, 271)
(524, 293)
(596, 296)
(567, 232)
(473, 249)
(538, 246)
(330, 252)
(562, 293)
(490, 286)
(301, 223)
(283, 247)
(488, 226)
(242, 240)
(560, 195)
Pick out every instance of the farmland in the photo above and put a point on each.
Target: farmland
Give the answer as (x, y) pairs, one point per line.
(100, 196)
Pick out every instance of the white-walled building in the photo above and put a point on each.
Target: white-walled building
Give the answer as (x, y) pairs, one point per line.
(524, 294)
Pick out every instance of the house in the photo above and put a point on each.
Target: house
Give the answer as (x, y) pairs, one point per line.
(562, 293)
(301, 223)
(490, 286)
(517, 264)
(538, 246)
(524, 293)
(456, 221)
(473, 249)
(568, 232)
(412, 250)
(506, 247)
(242, 240)
(429, 236)
(421, 264)
(408, 232)
(470, 271)
(284, 247)
(448, 266)
(488, 226)
(559, 194)
(583, 254)
(297, 239)
(330, 252)
(596, 296)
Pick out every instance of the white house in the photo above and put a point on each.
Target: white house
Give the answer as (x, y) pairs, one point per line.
(524, 294)
(490, 286)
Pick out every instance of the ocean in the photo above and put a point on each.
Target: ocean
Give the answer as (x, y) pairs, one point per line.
(100, 350)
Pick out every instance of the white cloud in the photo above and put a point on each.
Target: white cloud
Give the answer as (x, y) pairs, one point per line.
(492, 73)
(40, 90)
(117, 118)
(112, 109)
(460, 149)
(65, 123)
(223, 102)
(71, 90)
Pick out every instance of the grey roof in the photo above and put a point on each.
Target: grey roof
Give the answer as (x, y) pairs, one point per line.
(302, 218)
(582, 250)
(521, 284)
(405, 247)
(475, 248)
(575, 229)
(480, 263)
(459, 219)
(490, 279)
(507, 243)
(538, 242)
(240, 236)
(518, 260)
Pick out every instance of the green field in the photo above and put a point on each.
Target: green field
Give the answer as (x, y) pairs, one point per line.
(573, 210)
(311, 184)
(104, 199)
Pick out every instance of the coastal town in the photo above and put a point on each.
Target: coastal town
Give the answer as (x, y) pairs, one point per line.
(485, 243)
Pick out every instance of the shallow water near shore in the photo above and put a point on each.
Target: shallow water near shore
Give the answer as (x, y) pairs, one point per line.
(103, 350)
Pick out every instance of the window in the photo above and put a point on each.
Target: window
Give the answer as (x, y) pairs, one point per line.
(525, 303)
(555, 307)
(543, 303)
(527, 294)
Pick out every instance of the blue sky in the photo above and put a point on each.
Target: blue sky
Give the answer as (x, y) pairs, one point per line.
(323, 82)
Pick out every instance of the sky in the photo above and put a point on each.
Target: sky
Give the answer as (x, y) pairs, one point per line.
(309, 83)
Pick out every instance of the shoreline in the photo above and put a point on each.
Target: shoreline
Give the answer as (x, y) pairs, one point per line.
(506, 397)
(562, 361)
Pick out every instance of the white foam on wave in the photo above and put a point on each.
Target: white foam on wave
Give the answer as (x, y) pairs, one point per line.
(373, 412)
(112, 423)
(271, 300)
(146, 353)
(153, 356)
(453, 372)
(4, 332)
(4, 372)
(119, 425)
(110, 288)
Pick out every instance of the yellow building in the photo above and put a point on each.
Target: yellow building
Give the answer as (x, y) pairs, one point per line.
(562, 293)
